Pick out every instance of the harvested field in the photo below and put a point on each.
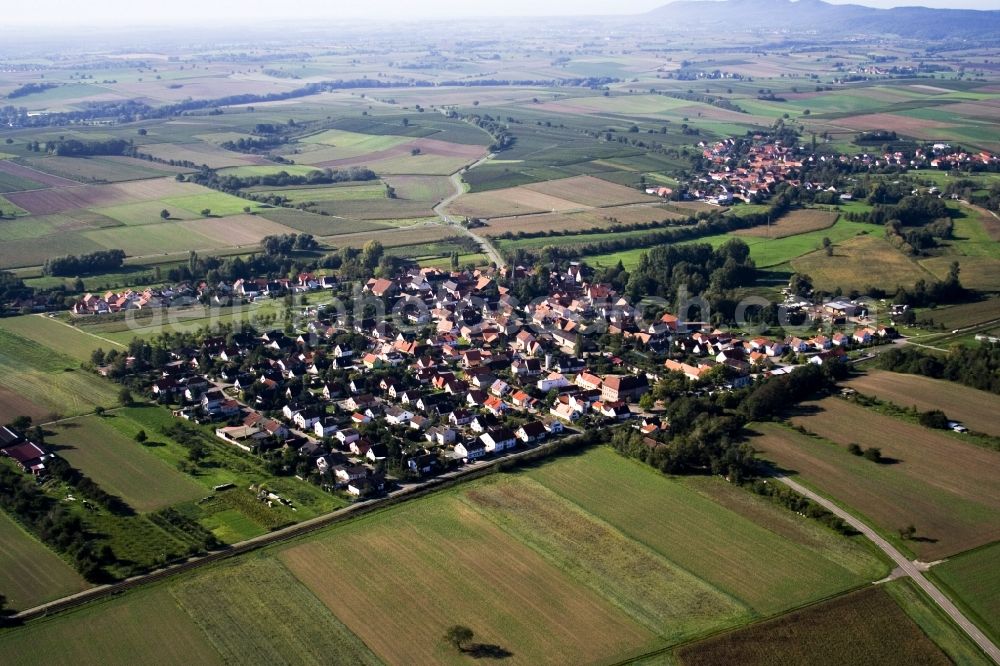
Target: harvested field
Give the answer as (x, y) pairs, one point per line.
(980, 273)
(236, 230)
(369, 149)
(590, 191)
(98, 169)
(257, 612)
(978, 410)
(405, 576)
(859, 262)
(420, 188)
(145, 627)
(974, 579)
(936, 482)
(793, 223)
(120, 465)
(153, 239)
(30, 573)
(865, 627)
(905, 125)
(743, 558)
(507, 202)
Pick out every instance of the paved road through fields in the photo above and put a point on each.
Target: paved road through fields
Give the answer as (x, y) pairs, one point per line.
(908, 568)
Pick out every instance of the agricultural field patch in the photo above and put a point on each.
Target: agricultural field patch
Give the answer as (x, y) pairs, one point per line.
(964, 314)
(235, 230)
(937, 483)
(27, 174)
(98, 169)
(507, 202)
(145, 627)
(48, 201)
(406, 575)
(858, 263)
(714, 543)
(792, 223)
(974, 579)
(199, 153)
(144, 212)
(151, 239)
(50, 381)
(978, 410)
(590, 191)
(120, 465)
(578, 221)
(258, 611)
(318, 225)
(662, 597)
(980, 273)
(343, 144)
(219, 203)
(30, 573)
(420, 188)
(56, 335)
(865, 627)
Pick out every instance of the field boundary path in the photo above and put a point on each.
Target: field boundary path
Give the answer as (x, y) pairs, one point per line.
(80, 330)
(911, 569)
(456, 182)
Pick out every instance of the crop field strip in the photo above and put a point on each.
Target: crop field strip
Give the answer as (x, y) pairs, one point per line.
(978, 410)
(30, 573)
(938, 483)
(793, 223)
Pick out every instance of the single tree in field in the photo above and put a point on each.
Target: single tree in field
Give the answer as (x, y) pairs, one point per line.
(908, 532)
(458, 636)
(125, 397)
(140, 436)
(205, 212)
(165, 214)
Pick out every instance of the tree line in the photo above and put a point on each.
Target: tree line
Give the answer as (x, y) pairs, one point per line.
(95, 262)
(978, 367)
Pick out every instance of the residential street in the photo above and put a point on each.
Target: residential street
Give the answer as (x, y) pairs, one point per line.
(908, 568)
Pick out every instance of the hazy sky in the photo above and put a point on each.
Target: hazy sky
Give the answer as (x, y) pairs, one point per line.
(136, 12)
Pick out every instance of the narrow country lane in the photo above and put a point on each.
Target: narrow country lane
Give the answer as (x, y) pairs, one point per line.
(484, 243)
(908, 568)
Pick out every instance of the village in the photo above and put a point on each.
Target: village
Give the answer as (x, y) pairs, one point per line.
(459, 371)
(753, 176)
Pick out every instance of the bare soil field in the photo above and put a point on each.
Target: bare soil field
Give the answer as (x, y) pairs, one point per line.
(791, 224)
(464, 152)
(978, 410)
(865, 627)
(590, 191)
(944, 487)
(902, 124)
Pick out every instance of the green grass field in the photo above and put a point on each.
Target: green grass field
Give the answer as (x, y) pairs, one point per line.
(219, 203)
(149, 628)
(974, 578)
(54, 334)
(39, 381)
(30, 573)
(865, 627)
(121, 465)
